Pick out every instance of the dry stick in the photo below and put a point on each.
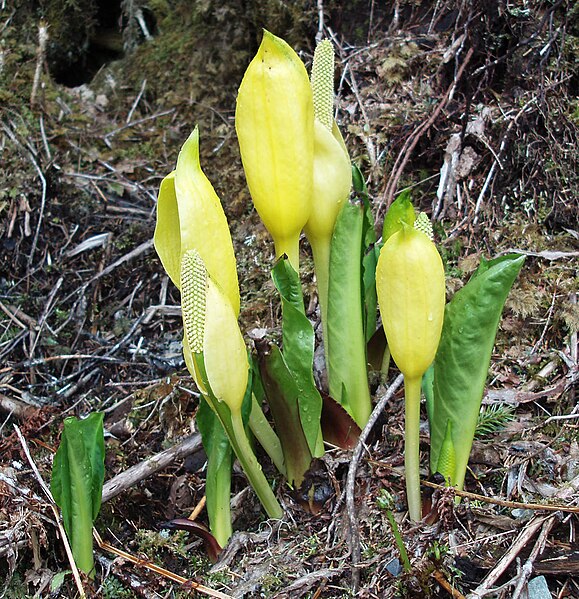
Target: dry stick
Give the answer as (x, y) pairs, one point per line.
(440, 578)
(485, 588)
(150, 466)
(354, 533)
(157, 569)
(537, 550)
(407, 149)
(545, 507)
(13, 137)
(40, 58)
(53, 507)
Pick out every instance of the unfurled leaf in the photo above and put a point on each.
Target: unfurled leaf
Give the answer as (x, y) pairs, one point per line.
(77, 480)
(347, 369)
(462, 361)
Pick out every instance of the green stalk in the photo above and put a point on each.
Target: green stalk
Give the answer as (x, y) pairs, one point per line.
(412, 446)
(266, 436)
(321, 252)
(218, 487)
(81, 532)
(290, 246)
(233, 425)
(251, 467)
(399, 541)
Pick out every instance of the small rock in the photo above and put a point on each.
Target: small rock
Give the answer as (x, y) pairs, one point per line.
(538, 588)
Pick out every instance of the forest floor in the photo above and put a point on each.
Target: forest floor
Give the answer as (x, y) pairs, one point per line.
(480, 96)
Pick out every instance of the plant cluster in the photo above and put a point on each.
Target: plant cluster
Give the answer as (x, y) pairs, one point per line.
(300, 177)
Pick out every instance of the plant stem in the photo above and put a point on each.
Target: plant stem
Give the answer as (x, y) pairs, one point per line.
(321, 251)
(290, 246)
(412, 447)
(252, 468)
(399, 541)
(266, 435)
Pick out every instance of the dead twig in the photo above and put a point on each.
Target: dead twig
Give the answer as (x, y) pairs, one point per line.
(486, 587)
(527, 568)
(408, 147)
(544, 507)
(199, 588)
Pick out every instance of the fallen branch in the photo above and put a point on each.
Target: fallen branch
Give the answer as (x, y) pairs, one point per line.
(125, 480)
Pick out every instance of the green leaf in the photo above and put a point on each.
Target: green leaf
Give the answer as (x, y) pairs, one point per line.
(463, 357)
(401, 212)
(58, 580)
(370, 253)
(218, 480)
(346, 350)
(298, 350)
(283, 396)
(78, 473)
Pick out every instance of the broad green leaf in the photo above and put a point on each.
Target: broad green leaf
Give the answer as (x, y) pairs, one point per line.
(78, 473)
(298, 350)
(401, 212)
(347, 369)
(218, 480)
(283, 396)
(463, 357)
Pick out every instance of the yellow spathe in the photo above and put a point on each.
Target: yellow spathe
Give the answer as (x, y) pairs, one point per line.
(274, 120)
(203, 225)
(332, 181)
(224, 351)
(411, 294)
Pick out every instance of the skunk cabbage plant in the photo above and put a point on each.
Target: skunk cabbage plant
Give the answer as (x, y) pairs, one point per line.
(411, 295)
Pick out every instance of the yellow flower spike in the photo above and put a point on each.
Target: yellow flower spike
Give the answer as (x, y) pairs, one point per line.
(332, 172)
(275, 128)
(411, 294)
(216, 355)
(322, 81)
(211, 329)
